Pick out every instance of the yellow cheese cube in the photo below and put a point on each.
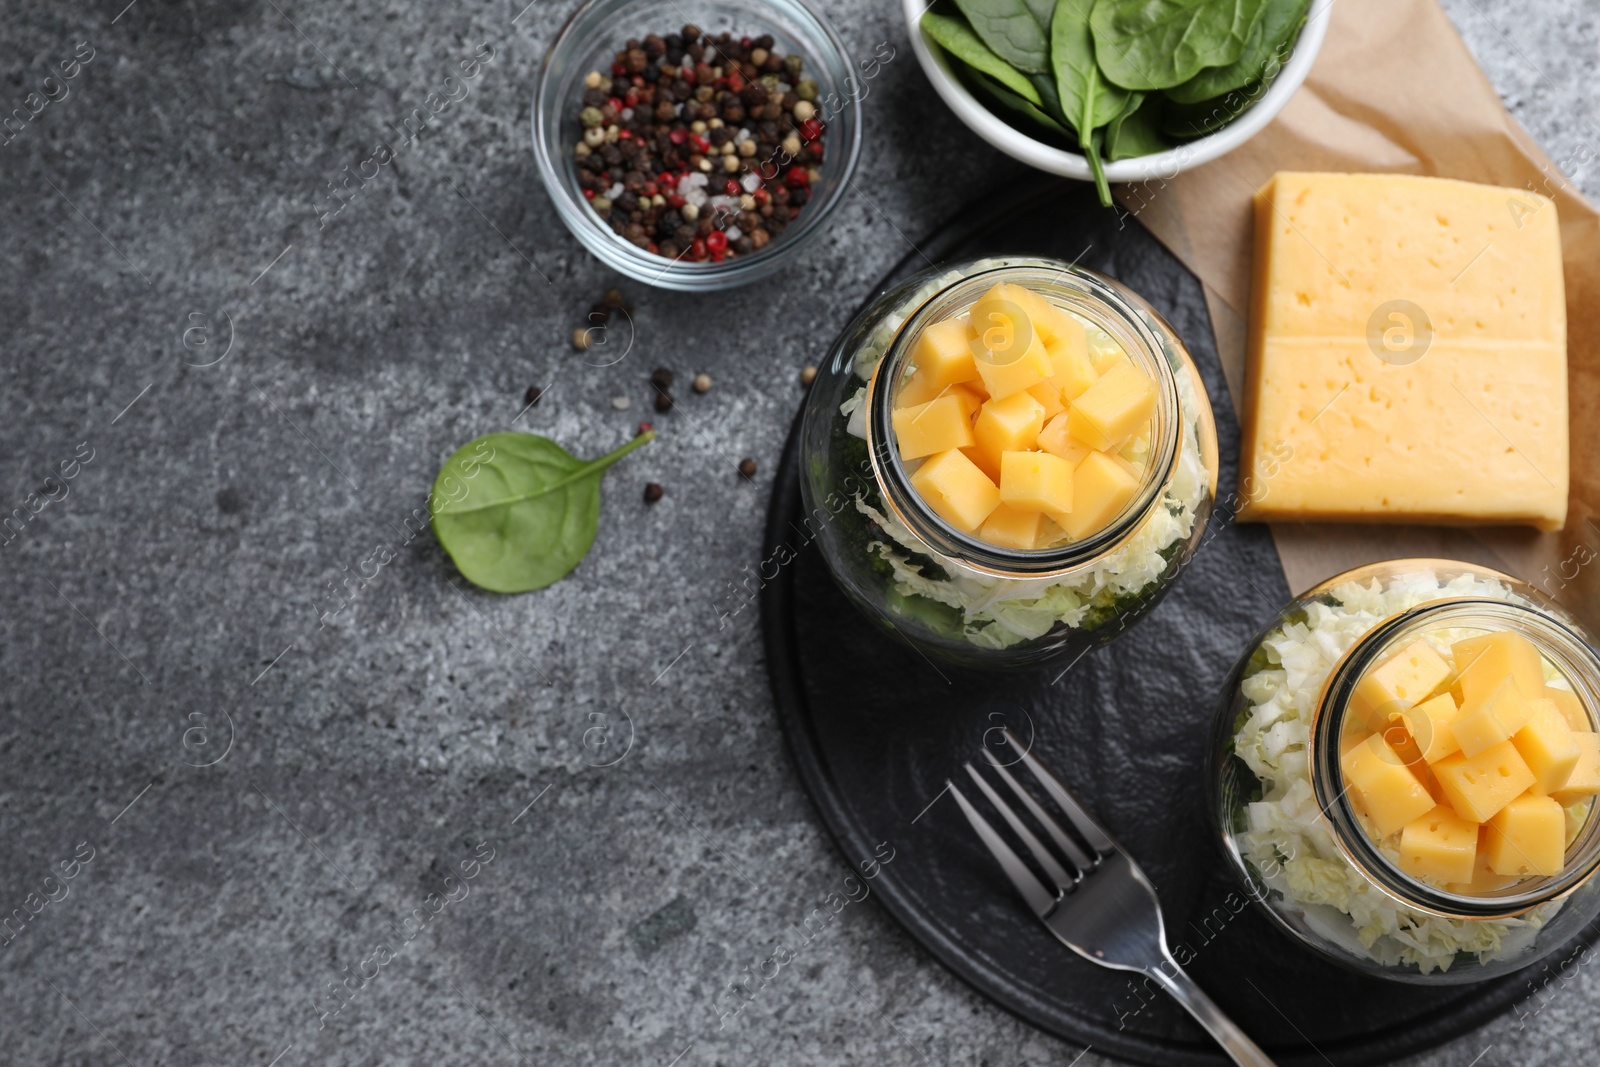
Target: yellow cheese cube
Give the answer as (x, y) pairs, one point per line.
(1101, 488)
(1407, 352)
(1005, 372)
(1390, 793)
(1484, 881)
(1547, 746)
(1012, 527)
(916, 389)
(1440, 846)
(1035, 480)
(989, 465)
(937, 426)
(956, 490)
(1009, 424)
(1584, 781)
(1401, 681)
(1490, 718)
(1478, 786)
(1048, 394)
(1050, 323)
(1056, 439)
(1428, 724)
(1481, 662)
(1527, 837)
(1567, 703)
(1107, 359)
(1114, 407)
(943, 353)
(1074, 371)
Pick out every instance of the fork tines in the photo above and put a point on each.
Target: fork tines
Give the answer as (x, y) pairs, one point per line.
(1079, 853)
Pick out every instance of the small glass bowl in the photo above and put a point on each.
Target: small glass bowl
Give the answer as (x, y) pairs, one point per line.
(588, 42)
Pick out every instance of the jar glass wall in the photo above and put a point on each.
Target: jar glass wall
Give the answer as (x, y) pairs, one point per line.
(949, 593)
(1300, 834)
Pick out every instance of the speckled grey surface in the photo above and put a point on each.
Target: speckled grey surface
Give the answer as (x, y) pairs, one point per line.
(182, 582)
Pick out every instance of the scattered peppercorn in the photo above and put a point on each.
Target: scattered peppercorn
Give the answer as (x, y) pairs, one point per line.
(621, 403)
(808, 375)
(661, 378)
(612, 298)
(702, 383)
(580, 339)
(698, 147)
(747, 467)
(663, 400)
(531, 397)
(653, 492)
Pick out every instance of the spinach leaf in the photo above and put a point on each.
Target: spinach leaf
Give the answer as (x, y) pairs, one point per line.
(1268, 48)
(522, 515)
(956, 37)
(1137, 131)
(1208, 116)
(1017, 30)
(1047, 127)
(1158, 44)
(1086, 97)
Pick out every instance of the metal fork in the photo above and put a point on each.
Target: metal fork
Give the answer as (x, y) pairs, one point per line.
(1103, 908)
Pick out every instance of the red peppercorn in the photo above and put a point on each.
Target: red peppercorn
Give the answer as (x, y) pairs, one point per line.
(796, 178)
(650, 246)
(615, 103)
(624, 135)
(745, 42)
(638, 79)
(730, 187)
(687, 74)
(810, 129)
(700, 143)
(678, 136)
(761, 195)
(717, 242)
(674, 200)
(719, 255)
(618, 69)
(632, 98)
(667, 180)
(650, 188)
(588, 194)
(736, 81)
(697, 248)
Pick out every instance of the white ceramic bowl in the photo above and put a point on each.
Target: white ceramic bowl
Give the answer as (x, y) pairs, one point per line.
(1013, 142)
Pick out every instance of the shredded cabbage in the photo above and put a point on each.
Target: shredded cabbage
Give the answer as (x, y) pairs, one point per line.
(1285, 833)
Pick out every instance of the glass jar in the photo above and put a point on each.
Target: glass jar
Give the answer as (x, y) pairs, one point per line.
(1295, 836)
(948, 593)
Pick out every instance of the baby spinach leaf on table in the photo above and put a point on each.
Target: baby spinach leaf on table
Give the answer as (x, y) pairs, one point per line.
(516, 511)
(1018, 31)
(1265, 52)
(956, 37)
(1137, 130)
(1158, 44)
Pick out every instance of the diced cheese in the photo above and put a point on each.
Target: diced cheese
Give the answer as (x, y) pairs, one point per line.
(1482, 661)
(1584, 781)
(1057, 440)
(1074, 371)
(1013, 528)
(1440, 846)
(1035, 480)
(1356, 408)
(1048, 394)
(1484, 881)
(1428, 724)
(1527, 837)
(943, 353)
(1547, 746)
(1012, 372)
(1052, 324)
(1391, 794)
(1009, 424)
(937, 426)
(1567, 702)
(1113, 408)
(1478, 786)
(1101, 488)
(1490, 718)
(1401, 681)
(956, 490)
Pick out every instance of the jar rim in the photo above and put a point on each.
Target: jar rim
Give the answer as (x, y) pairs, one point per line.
(1100, 301)
(1559, 641)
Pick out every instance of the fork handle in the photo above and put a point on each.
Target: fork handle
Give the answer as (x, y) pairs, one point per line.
(1233, 1040)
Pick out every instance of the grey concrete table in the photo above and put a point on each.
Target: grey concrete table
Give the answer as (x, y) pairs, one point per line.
(259, 792)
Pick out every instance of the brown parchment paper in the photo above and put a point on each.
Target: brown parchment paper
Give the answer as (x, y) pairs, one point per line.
(1395, 89)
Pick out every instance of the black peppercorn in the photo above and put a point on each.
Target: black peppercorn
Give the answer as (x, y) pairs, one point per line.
(663, 400)
(653, 492)
(661, 378)
(747, 467)
(531, 397)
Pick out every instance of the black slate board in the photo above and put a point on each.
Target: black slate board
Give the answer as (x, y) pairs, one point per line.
(875, 729)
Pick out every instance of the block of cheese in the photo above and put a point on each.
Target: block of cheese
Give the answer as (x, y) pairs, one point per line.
(956, 490)
(1391, 794)
(1440, 846)
(1527, 836)
(1407, 354)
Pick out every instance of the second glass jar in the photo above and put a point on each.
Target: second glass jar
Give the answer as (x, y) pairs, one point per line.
(947, 592)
